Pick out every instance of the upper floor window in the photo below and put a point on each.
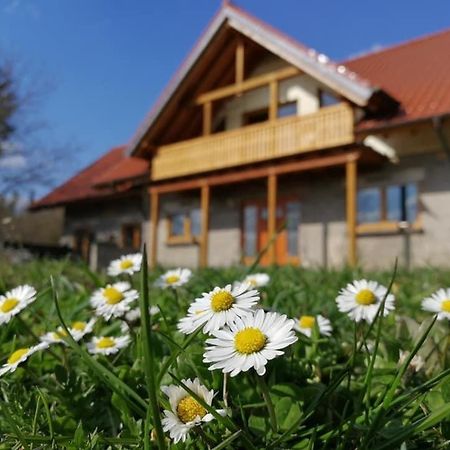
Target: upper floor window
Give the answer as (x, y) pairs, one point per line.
(393, 203)
(327, 98)
(256, 116)
(287, 109)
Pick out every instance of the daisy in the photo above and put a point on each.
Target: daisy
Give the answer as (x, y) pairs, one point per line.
(257, 279)
(14, 301)
(438, 303)
(249, 342)
(362, 299)
(174, 278)
(113, 300)
(415, 365)
(305, 325)
(125, 264)
(186, 412)
(19, 356)
(219, 307)
(133, 315)
(107, 345)
(77, 330)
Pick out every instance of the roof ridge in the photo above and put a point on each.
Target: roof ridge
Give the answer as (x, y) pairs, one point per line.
(411, 41)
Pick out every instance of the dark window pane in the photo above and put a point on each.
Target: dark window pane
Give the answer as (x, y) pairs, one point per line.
(369, 205)
(292, 224)
(394, 200)
(258, 116)
(195, 222)
(411, 200)
(328, 99)
(287, 109)
(250, 230)
(177, 225)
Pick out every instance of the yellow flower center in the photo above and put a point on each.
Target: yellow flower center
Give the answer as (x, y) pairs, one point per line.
(249, 340)
(306, 321)
(445, 305)
(17, 355)
(9, 304)
(221, 301)
(126, 264)
(365, 297)
(105, 342)
(79, 326)
(60, 334)
(188, 409)
(112, 295)
(172, 279)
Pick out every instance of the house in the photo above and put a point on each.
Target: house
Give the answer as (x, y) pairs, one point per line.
(259, 142)
(105, 206)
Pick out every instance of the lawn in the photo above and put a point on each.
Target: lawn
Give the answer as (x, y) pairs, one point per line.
(379, 386)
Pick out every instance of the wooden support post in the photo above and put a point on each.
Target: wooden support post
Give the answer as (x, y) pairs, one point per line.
(271, 215)
(205, 200)
(351, 187)
(207, 118)
(273, 102)
(239, 62)
(154, 220)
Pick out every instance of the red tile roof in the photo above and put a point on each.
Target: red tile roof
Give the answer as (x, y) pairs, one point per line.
(416, 73)
(113, 166)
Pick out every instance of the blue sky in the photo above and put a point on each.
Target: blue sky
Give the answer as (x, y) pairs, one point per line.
(104, 62)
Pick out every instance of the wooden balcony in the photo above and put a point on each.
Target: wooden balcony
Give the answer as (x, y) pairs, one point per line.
(331, 126)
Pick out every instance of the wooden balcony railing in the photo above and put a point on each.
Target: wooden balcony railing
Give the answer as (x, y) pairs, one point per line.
(331, 126)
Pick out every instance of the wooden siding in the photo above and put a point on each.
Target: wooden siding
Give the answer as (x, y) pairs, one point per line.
(331, 126)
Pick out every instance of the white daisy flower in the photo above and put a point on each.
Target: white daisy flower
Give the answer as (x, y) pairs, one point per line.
(19, 356)
(186, 412)
(107, 345)
(128, 264)
(257, 279)
(305, 325)
(14, 301)
(77, 329)
(438, 303)
(135, 314)
(362, 299)
(249, 342)
(113, 300)
(219, 307)
(174, 278)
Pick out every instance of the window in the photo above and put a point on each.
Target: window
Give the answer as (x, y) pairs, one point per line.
(287, 109)
(327, 98)
(131, 236)
(292, 224)
(251, 230)
(389, 205)
(184, 227)
(257, 116)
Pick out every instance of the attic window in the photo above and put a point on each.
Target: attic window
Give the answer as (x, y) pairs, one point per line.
(327, 98)
(287, 109)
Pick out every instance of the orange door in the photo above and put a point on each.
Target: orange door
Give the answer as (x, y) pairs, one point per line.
(256, 236)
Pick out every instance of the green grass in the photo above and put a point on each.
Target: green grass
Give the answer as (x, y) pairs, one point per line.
(324, 394)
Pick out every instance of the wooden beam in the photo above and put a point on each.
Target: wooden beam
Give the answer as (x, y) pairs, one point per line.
(260, 172)
(239, 63)
(247, 85)
(273, 103)
(204, 201)
(271, 215)
(351, 189)
(207, 118)
(154, 221)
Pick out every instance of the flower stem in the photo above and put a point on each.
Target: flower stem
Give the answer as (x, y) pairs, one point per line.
(270, 408)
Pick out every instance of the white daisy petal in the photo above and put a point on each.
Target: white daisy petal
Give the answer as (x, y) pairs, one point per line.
(14, 301)
(174, 278)
(438, 303)
(107, 345)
